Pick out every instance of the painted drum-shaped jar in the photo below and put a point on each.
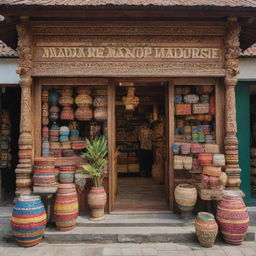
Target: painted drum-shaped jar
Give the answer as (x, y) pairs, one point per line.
(67, 91)
(206, 229)
(185, 196)
(64, 130)
(28, 220)
(232, 217)
(66, 207)
(66, 101)
(84, 114)
(67, 174)
(53, 98)
(100, 101)
(101, 114)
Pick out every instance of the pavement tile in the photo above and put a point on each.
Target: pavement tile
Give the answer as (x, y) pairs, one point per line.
(131, 252)
(232, 251)
(181, 247)
(214, 252)
(176, 253)
(199, 253)
(247, 251)
(149, 252)
(112, 251)
(165, 246)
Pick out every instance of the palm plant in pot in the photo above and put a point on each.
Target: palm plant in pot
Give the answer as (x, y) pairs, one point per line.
(96, 168)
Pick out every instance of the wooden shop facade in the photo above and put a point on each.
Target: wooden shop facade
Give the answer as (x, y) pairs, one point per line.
(180, 73)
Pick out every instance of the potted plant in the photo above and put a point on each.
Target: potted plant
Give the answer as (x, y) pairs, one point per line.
(96, 168)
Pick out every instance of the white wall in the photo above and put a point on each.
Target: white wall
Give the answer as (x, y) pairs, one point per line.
(247, 69)
(8, 68)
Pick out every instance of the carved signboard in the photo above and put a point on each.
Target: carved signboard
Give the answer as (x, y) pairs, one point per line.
(128, 51)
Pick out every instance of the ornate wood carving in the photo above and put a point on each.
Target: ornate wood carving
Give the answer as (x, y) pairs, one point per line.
(128, 49)
(232, 52)
(25, 139)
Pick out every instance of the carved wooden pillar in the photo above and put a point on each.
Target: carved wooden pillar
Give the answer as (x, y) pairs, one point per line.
(232, 52)
(24, 168)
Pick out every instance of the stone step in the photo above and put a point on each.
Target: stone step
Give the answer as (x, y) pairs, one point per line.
(127, 235)
(135, 220)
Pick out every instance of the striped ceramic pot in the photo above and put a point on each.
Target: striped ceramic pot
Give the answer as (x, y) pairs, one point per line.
(66, 207)
(28, 220)
(232, 217)
(206, 229)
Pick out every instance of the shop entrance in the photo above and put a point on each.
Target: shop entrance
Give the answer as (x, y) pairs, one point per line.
(141, 144)
(9, 122)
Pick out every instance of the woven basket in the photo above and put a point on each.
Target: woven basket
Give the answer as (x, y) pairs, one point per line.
(211, 148)
(183, 109)
(178, 162)
(201, 108)
(187, 162)
(212, 171)
(218, 160)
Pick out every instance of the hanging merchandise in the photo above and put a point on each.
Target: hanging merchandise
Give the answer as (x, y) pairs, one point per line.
(130, 101)
(83, 100)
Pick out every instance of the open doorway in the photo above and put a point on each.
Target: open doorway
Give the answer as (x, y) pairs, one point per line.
(9, 123)
(141, 145)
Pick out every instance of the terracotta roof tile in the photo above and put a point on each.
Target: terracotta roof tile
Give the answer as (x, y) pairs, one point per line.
(6, 51)
(250, 52)
(193, 3)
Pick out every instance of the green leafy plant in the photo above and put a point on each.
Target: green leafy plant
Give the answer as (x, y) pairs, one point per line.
(96, 156)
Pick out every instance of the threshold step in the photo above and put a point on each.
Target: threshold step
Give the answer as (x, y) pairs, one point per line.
(135, 220)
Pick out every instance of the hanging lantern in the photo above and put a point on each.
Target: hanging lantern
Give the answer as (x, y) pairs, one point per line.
(130, 101)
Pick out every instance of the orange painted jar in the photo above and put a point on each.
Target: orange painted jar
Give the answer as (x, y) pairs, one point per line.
(205, 159)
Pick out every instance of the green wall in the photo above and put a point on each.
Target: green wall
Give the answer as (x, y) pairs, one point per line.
(243, 134)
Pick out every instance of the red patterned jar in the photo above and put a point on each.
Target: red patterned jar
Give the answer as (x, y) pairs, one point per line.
(84, 114)
(232, 217)
(67, 113)
(101, 114)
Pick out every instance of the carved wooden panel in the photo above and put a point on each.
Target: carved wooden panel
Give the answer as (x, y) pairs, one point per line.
(128, 49)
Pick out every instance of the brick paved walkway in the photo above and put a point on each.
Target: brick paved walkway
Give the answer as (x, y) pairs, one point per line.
(122, 249)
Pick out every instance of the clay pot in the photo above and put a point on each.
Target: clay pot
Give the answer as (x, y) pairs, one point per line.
(84, 114)
(67, 91)
(97, 199)
(66, 101)
(83, 100)
(206, 229)
(232, 217)
(23, 180)
(101, 114)
(67, 113)
(185, 196)
(28, 220)
(53, 98)
(83, 90)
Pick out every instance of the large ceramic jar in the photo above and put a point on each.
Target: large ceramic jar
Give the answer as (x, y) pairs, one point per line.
(206, 229)
(97, 199)
(83, 100)
(185, 197)
(28, 220)
(100, 101)
(84, 114)
(66, 207)
(232, 217)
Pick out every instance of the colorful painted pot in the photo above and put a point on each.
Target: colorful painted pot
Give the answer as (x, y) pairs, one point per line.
(84, 114)
(45, 133)
(54, 138)
(54, 109)
(100, 101)
(45, 148)
(65, 145)
(54, 116)
(83, 100)
(77, 145)
(28, 220)
(185, 196)
(43, 177)
(67, 152)
(232, 217)
(66, 101)
(64, 131)
(101, 114)
(67, 113)
(64, 138)
(45, 96)
(206, 229)
(191, 98)
(74, 133)
(66, 207)
(53, 98)
(67, 91)
(178, 98)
